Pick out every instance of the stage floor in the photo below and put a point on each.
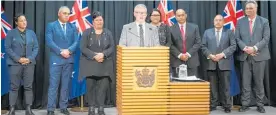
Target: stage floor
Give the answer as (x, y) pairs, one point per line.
(112, 111)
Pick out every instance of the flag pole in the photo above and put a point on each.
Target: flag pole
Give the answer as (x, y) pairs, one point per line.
(81, 108)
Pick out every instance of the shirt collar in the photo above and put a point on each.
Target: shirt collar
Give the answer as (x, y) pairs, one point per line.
(253, 20)
(182, 24)
(218, 30)
(139, 24)
(24, 32)
(61, 22)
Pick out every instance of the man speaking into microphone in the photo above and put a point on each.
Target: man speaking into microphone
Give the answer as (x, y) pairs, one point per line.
(139, 33)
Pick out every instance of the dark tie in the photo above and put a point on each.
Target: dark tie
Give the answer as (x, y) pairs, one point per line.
(141, 35)
(183, 39)
(217, 38)
(63, 29)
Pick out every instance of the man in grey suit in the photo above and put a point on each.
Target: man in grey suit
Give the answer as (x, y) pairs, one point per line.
(252, 36)
(185, 44)
(139, 33)
(218, 45)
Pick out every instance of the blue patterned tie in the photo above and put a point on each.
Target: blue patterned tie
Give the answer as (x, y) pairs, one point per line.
(63, 29)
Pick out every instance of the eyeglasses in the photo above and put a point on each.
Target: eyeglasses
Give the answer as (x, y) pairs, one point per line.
(65, 13)
(142, 13)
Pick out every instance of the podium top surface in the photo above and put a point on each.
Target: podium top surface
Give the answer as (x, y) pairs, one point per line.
(139, 48)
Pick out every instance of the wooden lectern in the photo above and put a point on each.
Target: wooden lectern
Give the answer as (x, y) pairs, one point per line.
(144, 88)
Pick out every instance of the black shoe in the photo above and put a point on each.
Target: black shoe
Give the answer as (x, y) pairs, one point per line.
(65, 111)
(29, 110)
(12, 110)
(244, 109)
(261, 109)
(227, 110)
(101, 111)
(91, 110)
(213, 108)
(50, 113)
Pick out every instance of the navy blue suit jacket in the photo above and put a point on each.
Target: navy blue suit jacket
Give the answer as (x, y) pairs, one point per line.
(56, 40)
(14, 46)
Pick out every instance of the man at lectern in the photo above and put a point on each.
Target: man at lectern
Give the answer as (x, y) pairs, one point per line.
(218, 45)
(185, 44)
(139, 33)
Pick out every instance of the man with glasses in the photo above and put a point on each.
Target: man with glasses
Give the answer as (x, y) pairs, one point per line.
(139, 33)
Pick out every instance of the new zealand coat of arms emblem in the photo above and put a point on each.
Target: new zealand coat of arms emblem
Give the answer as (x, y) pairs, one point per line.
(145, 78)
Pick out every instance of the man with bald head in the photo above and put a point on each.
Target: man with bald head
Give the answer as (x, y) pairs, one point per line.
(139, 33)
(253, 35)
(218, 45)
(62, 39)
(185, 44)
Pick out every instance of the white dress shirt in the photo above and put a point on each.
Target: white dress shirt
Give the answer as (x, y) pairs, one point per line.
(144, 28)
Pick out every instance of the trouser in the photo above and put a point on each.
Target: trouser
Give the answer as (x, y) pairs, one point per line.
(17, 74)
(220, 82)
(59, 74)
(252, 70)
(96, 90)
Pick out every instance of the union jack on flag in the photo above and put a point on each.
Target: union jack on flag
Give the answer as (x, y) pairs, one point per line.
(167, 14)
(232, 13)
(80, 16)
(5, 26)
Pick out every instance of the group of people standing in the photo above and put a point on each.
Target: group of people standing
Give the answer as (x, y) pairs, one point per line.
(218, 44)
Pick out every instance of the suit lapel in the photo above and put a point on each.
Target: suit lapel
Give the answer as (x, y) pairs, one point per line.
(222, 38)
(188, 30)
(148, 31)
(177, 30)
(255, 25)
(19, 38)
(60, 29)
(133, 29)
(214, 37)
(67, 31)
(28, 37)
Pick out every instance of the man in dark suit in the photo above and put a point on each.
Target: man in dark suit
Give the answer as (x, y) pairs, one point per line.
(252, 36)
(21, 46)
(218, 45)
(185, 44)
(62, 39)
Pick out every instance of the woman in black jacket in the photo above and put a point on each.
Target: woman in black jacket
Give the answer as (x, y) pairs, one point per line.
(97, 47)
(163, 29)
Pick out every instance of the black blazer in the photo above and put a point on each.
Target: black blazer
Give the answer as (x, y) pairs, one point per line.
(193, 43)
(164, 33)
(89, 46)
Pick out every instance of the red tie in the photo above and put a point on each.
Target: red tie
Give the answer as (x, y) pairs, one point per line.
(250, 27)
(183, 39)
